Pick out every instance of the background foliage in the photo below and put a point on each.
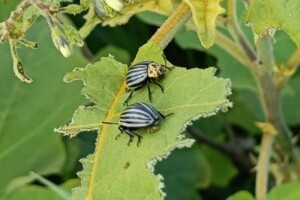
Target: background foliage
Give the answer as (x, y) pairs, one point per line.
(213, 168)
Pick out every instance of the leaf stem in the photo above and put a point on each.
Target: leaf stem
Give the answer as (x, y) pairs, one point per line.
(168, 29)
(237, 33)
(232, 48)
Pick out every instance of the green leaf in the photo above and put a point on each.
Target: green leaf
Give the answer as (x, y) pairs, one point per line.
(275, 14)
(33, 192)
(222, 169)
(115, 170)
(291, 101)
(205, 13)
(28, 113)
(30, 192)
(64, 194)
(184, 171)
(290, 191)
(151, 18)
(245, 96)
(241, 195)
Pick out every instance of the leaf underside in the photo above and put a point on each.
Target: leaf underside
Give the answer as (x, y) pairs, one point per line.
(118, 171)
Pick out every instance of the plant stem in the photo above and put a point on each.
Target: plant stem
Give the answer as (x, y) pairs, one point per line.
(262, 167)
(271, 102)
(237, 33)
(270, 94)
(168, 29)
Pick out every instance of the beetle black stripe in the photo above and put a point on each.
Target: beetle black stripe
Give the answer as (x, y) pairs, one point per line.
(138, 115)
(136, 76)
(148, 109)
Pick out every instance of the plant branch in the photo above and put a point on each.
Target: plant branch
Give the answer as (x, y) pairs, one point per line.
(234, 151)
(237, 33)
(168, 29)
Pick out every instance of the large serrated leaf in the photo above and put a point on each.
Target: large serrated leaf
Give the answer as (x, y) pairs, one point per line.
(205, 13)
(117, 171)
(278, 14)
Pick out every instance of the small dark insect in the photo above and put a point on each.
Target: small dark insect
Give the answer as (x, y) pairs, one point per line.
(143, 73)
(126, 165)
(136, 116)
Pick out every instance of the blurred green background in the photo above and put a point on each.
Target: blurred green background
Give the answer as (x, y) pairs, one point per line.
(217, 166)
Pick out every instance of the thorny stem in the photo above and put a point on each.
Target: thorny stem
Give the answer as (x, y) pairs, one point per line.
(168, 29)
(237, 33)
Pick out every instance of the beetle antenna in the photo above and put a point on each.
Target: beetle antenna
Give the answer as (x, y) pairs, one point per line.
(110, 123)
(165, 59)
(165, 65)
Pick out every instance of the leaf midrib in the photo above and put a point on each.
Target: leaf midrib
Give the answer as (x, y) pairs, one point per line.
(99, 145)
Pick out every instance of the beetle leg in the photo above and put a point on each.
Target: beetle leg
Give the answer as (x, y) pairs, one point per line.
(165, 59)
(165, 116)
(160, 86)
(126, 101)
(149, 91)
(119, 135)
(132, 135)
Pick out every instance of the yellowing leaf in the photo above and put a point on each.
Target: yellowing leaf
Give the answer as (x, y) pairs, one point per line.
(278, 14)
(116, 171)
(205, 13)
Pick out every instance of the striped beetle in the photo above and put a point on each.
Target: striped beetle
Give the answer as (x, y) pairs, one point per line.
(143, 73)
(136, 116)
